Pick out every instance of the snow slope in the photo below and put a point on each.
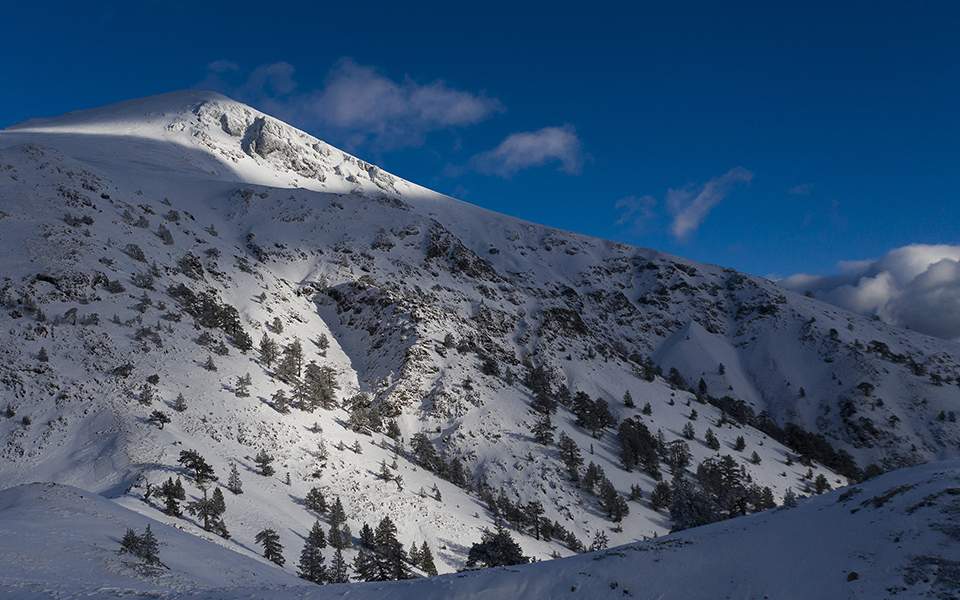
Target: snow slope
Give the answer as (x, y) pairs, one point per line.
(279, 224)
(895, 536)
(56, 540)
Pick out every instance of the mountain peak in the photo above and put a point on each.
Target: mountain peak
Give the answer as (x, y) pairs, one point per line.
(148, 109)
(204, 130)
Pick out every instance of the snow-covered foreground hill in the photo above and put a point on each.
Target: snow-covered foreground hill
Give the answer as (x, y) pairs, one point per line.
(144, 246)
(895, 536)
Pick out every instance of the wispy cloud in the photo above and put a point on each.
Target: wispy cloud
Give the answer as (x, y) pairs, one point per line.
(916, 286)
(528, 149)
(635, 212)
(691, 204)
(356, 103)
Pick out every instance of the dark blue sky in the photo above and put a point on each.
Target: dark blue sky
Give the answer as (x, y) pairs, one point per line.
(791, 137)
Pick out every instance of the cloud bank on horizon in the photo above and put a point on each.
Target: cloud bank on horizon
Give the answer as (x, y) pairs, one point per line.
(915, 286)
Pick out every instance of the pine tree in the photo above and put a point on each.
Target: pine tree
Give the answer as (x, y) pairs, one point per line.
(146, 396)
(233, 481)
(315, 501)
(336, 537)
(338, 516)
(423, 451)
(455, 472)
(690, 506)
(158, 418)
(365, 565)
(280, 402)
(570, 455)
(263, 461)
(543, 403)
(210, 510)
(272, 549)
(385, 473)
(311, 566)
(276, 325)
(201, 471)
(180, 404)
(242, 386)
(711, 440)
(391, 557)
(688, 431)
(149, 547)
(413, 554)
(789, 498)
(495, 549)
(338, 568)
(628, 400)
(533, 514)
(678, 456)
(319, 387)
(172, 494)
(291, 363)
(543, 430)
(130, 543)
(647, 409)
(820, 484)
(426, 561)
(600, 541)
(660, 497)
(367, 537)
(393, 430)
(755, 458)
(269, 351)
(740, 445)
(613, 502)
(592, 476)
(209, 364)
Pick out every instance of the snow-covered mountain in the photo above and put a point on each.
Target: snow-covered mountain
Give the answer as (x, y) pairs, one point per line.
(143, 242)
(895, 536)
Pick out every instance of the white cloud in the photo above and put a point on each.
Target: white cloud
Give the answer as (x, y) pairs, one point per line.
(691, 204)
(916, 286)
(356, 103)
(272, 80)
(636, 212)
(222, 66)
(532, 149)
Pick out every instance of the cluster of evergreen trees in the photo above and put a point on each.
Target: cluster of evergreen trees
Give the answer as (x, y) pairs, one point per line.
(380, 557)
(810, 446)
(313, 386)
(720, 489)
(209, 509)
(208, 311)
(592, 415)
(638, 447)
(595, 481)
(496, 549)
(425, 454)
(528, 517)
(143, 546)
